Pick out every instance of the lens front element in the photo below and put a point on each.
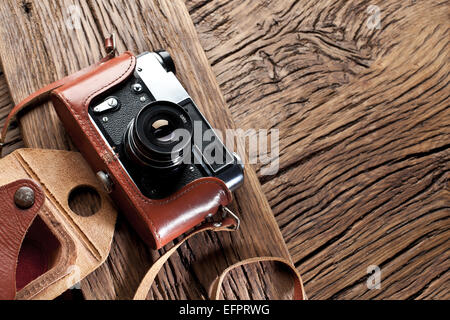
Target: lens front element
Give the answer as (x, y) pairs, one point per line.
(159, 135)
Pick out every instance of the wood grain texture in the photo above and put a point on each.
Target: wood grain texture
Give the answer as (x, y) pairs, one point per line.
(364, 122)
(13, 138)
(53, 50)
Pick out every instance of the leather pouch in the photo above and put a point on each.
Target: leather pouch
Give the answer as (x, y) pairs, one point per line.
(45, 247)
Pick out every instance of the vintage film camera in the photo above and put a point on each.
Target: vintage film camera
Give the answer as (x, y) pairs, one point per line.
(139, 119)
(149, 144)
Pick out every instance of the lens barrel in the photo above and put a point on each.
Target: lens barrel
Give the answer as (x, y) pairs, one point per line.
(158, 136)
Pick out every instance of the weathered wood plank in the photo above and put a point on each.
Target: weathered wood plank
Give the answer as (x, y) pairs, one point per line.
(364, 123)
(414, 264)
(54, 50)
(14, 138)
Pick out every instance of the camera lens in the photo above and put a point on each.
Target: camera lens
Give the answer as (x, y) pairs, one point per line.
(158, 136)
(163, 130)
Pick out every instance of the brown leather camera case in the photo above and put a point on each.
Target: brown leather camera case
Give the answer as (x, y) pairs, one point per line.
(157, 221)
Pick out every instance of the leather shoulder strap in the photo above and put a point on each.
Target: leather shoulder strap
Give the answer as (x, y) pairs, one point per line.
(299, 291)
(43, 94)
(228, 224)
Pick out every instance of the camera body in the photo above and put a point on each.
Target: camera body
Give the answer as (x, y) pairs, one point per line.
(139, 119)
(151, 147)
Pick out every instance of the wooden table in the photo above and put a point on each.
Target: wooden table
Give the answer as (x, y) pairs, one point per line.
(364, 124)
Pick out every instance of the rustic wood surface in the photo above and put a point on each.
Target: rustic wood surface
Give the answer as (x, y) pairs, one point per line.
(364, 123)
(53, 50)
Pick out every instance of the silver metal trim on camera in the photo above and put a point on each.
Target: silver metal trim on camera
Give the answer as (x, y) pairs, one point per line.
(162, 84)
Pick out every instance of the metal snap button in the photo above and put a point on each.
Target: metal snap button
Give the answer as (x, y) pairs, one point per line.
(24, 198)
(138, 88)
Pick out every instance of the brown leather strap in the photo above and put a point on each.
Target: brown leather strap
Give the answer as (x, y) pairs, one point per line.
(228, 224)
(43, 94)
(299, 292)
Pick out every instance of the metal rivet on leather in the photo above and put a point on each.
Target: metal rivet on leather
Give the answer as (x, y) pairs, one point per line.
(24, 198)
